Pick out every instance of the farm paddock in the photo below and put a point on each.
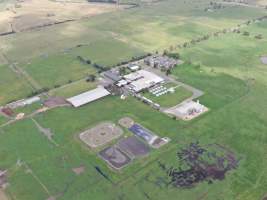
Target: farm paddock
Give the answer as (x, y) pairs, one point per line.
(101, 134)
(31, 14)
(126, 122)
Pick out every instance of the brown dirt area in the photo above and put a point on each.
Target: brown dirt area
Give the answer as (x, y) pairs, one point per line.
(28, 14)
(126, 122)
(101, 134)
(78, 170)
(52, 102)
(3, 195)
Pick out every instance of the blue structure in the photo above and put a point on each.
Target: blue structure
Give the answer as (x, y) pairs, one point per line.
(143, 133)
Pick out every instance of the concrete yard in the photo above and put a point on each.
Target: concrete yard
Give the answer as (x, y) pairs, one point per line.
(187, 110)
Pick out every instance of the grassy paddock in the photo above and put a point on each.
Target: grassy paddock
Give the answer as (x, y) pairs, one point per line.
(170, 99)
(12, 85)
(56, 70)
(73, 89)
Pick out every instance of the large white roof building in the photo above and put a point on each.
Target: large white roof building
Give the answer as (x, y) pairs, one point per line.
(88, 97)
(143, 79)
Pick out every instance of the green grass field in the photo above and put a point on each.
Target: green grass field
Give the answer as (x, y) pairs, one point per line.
(73, 89)
(110, 38)
(12, 85)
(218, 126)
(170, 99)
(107, 52)
(56, 70)
(226, 68)
(29, 108)
(2, 120)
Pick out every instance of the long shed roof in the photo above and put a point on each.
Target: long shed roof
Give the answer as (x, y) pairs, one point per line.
(88, 97)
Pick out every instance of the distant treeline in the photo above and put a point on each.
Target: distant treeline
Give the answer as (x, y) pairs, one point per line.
(101, 68)
(129, 4)
(103, 1)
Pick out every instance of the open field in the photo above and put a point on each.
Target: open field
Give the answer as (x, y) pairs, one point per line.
(12, 85)
(110, 38)
(73, 89)
(2, 120)
(147, 28)
(56, 70)
(210, 129)
(29, 14)
(227, 68)
(28, 109)
(170, 99)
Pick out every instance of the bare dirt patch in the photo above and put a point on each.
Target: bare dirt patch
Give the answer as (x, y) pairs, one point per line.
(3, 195)
(28, 14)
(55, 101)
(126, 122)
(101, 134)
(78, 170)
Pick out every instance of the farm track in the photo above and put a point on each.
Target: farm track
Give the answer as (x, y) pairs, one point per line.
(21, 73)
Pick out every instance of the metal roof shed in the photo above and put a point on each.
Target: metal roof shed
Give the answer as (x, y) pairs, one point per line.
(88, 97)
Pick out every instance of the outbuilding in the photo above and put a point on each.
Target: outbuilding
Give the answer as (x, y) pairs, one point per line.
(88, 97)
(143, 79)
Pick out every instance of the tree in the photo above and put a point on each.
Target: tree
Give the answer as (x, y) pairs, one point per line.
(91, 78)
(246, 33)
(168, 72)
(88, 62)
(259, 36)
(165, 52)
(122, 70)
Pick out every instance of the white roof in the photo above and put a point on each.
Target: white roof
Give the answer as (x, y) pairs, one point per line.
(134, 67)
(122, 83)
(31, 100)
(185, 107)
(133, 76)
(146, 80)
(88, 97)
